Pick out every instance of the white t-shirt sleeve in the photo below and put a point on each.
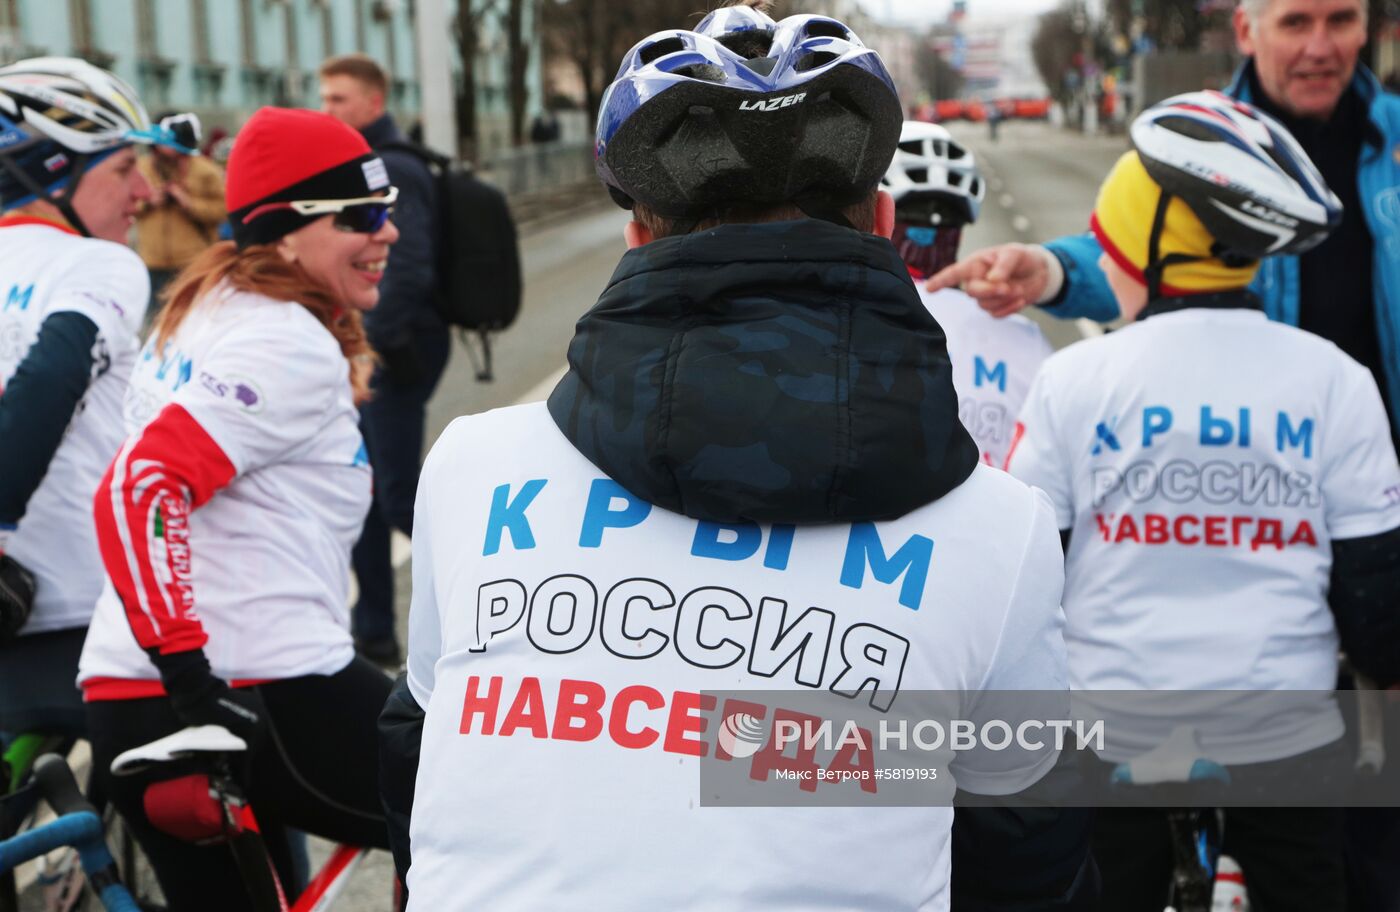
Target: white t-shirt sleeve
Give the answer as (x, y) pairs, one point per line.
(1028, 678)
(266, 390)
(1360, 476)
(1037, 455)
(424, 621)
(110, 287)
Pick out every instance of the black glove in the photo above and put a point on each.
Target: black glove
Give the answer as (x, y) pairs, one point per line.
(200, 698)
(16, 597)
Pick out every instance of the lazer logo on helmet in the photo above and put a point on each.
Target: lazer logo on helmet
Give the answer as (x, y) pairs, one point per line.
(772, 104)
(1268, 214)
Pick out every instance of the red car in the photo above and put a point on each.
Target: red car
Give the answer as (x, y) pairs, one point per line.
(948, 109)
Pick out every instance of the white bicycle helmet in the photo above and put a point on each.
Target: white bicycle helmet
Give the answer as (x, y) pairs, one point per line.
(930, 164)
(59, 116)
(84, 109)
(1241, 172)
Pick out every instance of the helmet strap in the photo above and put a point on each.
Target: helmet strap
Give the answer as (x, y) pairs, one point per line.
(1156, 263)
(1153, 272)
(63, 201)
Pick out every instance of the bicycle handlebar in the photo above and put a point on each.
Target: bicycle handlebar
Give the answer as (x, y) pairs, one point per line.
(56, 783)
(78, 825)
(73, 829)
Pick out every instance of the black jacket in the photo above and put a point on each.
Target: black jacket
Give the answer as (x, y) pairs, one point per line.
(406, 294)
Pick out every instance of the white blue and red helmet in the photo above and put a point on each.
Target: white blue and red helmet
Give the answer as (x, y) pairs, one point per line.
(1241, 172)
(744, 110)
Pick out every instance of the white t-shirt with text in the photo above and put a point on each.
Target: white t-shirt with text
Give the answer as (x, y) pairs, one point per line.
(1204, 460)
(270, 552)
(562, 632)
(994, 362)
(46, 270)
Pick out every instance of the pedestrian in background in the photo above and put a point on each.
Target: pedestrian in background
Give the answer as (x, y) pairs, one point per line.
(182, 217)
(409, 336)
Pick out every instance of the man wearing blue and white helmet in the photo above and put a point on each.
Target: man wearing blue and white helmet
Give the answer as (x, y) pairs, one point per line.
(72, 299)
(737, 486)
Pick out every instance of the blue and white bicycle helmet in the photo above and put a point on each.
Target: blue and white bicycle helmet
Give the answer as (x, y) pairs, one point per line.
(1241, 172)
(747, 111)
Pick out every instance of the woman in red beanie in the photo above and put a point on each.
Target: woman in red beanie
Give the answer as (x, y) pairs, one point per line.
(226, 520)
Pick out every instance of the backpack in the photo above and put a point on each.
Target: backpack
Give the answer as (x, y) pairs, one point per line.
(478, 259)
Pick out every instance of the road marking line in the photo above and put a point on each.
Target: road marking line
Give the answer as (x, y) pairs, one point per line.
(1088, 328)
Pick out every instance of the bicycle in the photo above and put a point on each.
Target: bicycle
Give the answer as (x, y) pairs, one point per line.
(1196, 833)
(78, 825)
(62, 881)
(210, 808)
(19, 810)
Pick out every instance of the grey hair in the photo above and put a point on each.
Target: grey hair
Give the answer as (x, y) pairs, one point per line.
(1255, 8)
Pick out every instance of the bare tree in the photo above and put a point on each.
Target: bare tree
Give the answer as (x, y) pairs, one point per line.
(595, 34)
(1056, 42)
(519, 66)
(471, 15)
(1169, 24)
(936, 75)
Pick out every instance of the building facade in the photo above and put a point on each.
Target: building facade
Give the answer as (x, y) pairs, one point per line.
(226, 58)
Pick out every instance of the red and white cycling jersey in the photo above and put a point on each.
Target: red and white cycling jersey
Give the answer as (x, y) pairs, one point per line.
(227, 518)
(46, 269)
(994, 362)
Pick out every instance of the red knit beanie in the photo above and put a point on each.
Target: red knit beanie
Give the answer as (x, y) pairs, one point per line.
(281, 155)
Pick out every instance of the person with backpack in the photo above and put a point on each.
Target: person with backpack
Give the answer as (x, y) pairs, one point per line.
(407, 333)
(760, 373)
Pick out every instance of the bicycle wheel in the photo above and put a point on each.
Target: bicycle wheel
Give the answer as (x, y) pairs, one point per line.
(133, 866)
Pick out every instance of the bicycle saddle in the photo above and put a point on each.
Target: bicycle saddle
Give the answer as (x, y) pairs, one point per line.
(207, 739)
(1177, 759)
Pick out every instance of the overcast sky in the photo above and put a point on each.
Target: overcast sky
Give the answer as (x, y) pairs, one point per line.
(926, 12)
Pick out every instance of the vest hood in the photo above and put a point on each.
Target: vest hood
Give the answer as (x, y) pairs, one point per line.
(785, 372)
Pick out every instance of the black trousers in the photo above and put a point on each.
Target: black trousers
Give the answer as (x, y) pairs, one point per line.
(1292, 858)
(317, 771)
(38, 684)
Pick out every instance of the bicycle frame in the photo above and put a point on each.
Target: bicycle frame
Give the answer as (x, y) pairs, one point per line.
(1194, 859)
(79, 826)
(241, 833)
(331, 879)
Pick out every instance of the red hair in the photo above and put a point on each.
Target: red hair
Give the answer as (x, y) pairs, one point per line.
(260, 269)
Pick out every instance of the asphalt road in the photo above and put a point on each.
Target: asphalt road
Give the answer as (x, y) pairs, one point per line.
(1041, 184)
